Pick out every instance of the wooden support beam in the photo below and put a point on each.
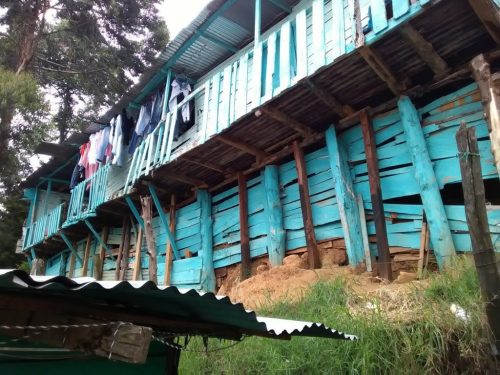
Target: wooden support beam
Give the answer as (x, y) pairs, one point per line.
(285, 119)
(425, 50)
(147, 216)
(72, 263)
(86, 255)
(119, 256)
(134, 210)
(246, 264)
(490, 96)
(328, 99)
(245, 147)
(208, 165)
(208, 283)
(126, 250)
(136, 273)
(477, 221)
(440, 234)
(276, 234)
(488, 13)
(168, 252)
(101, 251)
(346, 198)
(305, 205)
(188, 180)
(379, 66)
(163, 219)
(70, 246)
(384, 257)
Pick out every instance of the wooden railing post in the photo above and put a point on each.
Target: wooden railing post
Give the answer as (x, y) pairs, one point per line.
(274, 215)
(305, 204)
(440, 233)
(384, 257)
(206, 251)
(477, 221)
(346, 198)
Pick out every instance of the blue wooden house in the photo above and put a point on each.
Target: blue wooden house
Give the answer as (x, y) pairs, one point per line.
(312, 124)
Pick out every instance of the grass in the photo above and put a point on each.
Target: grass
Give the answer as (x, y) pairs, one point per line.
(415, 333)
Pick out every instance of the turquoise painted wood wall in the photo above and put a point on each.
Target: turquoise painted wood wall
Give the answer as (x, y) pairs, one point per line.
(440, 120)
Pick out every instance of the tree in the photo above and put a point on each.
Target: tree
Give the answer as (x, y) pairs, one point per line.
(86, 52)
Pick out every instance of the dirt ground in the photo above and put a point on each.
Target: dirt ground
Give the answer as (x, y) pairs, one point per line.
(291, 280)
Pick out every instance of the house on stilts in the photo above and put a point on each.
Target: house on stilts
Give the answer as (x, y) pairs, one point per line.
(275, 126)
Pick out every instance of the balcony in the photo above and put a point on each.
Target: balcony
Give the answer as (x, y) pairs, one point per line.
(43, 228)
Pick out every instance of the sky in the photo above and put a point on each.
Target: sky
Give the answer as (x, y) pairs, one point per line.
(179, 13)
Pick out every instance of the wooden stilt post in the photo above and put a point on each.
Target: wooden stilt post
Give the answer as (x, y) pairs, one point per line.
(126, 250)
(384, 257)
(169, 253)
(86, 255)
(120, 249)
(439, 229)
(147, 217)
(477, 221)
(72, 264)
(346, 198)
(274, 216)
(244, 238)
(101, 253)
(490, 96)
(305, 203)
(137, 261)
(206, 251)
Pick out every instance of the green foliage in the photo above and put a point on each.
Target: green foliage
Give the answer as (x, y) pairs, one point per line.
(431, 340)
(12, 213)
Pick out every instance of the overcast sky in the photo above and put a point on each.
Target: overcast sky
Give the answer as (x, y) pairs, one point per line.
(178, 13)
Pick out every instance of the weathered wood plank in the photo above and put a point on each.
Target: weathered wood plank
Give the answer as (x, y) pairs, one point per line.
(169, 251)
(491, 102)
(274, 216)
(312, 246)
(384, 257)
(346, 198)
(243, 223)
(440, 233)
(147, 217)
(488, 13)
(86, 255)
(137, 260)
(206, 249)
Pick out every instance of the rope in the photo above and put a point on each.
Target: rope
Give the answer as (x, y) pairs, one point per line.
(465, 155)
(58, 326)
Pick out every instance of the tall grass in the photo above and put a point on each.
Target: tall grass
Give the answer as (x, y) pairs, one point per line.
(428, 338)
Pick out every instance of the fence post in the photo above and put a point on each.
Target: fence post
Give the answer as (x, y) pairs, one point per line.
(477, 221)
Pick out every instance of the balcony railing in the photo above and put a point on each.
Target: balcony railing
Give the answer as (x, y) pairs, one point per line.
(44, 227)
(87, 196)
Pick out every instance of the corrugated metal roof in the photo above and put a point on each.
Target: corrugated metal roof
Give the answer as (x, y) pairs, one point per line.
(187, 311)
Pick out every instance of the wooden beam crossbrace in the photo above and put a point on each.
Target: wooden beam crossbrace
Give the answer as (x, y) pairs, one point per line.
(70, 246)
(96, 235)
(328, 99)
(245, 147)
(285, 119)
(425, 50)
(379, 66)
(134, 211)
(164, 221)
(489, 15)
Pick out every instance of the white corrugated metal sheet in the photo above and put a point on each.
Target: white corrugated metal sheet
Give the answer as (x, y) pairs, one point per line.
(217, 313)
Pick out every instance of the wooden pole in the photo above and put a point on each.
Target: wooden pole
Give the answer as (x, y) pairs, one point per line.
(101, 253)
(169, 252)
(305, 204)
(364, 233)
(86, 255)
(120, 249)
(147, 217)
(206, 251)
(384, 257)
(346, 198)
(490, 96)
(126, 250)
(137, 261)
(440, 233)
(424, 239)
(244, 237)
(477, 221)
(274, 216)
